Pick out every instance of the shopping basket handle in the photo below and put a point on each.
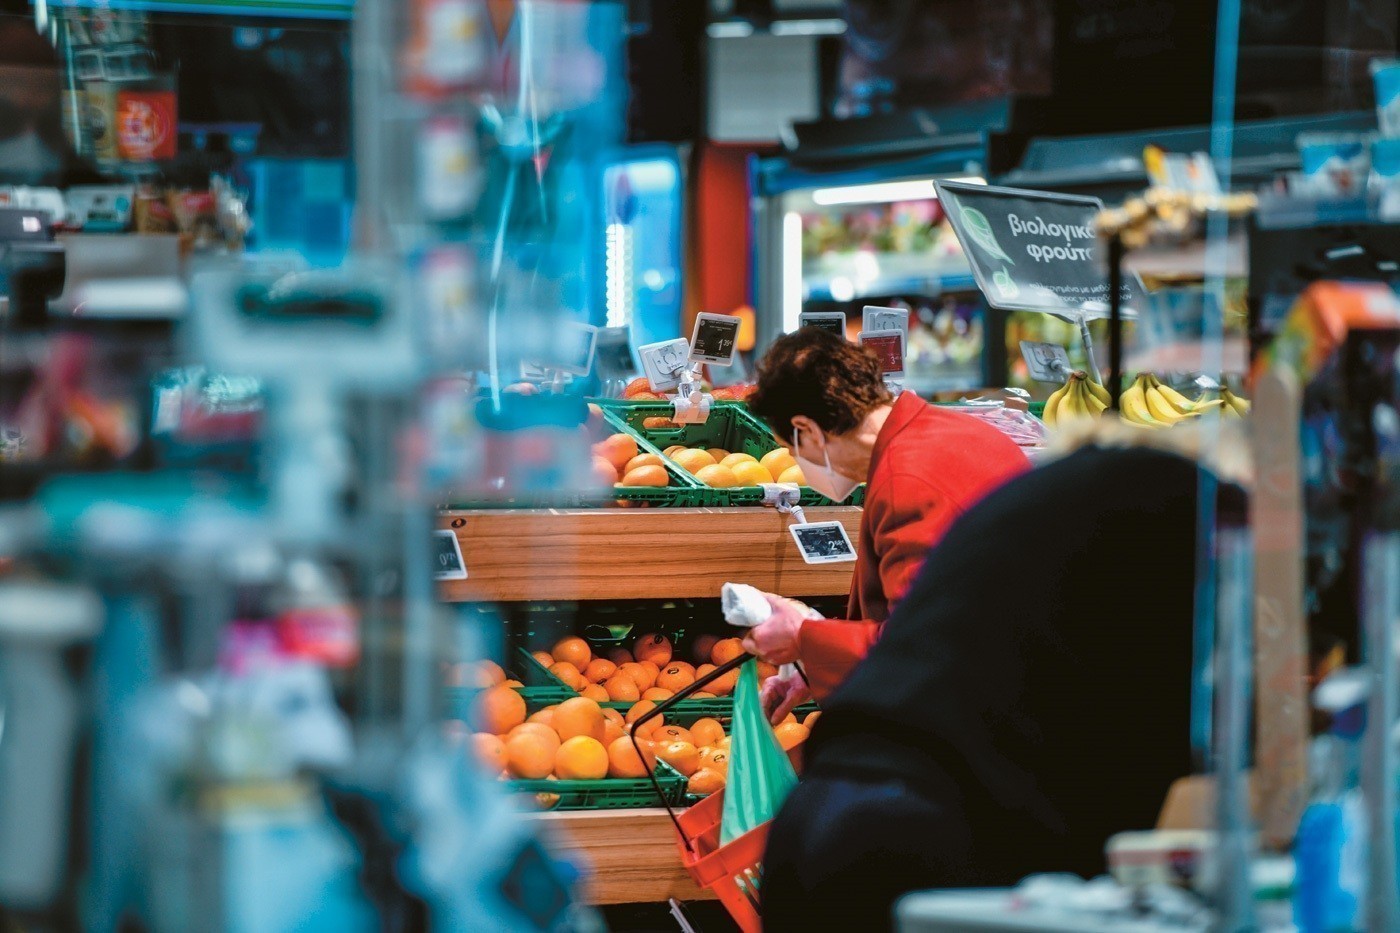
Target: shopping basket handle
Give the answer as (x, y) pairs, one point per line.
(660, 709)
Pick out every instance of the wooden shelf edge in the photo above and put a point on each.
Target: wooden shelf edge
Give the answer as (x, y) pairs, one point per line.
(583, 554)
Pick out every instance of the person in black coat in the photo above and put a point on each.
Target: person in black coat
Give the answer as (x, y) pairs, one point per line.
(1030, 698)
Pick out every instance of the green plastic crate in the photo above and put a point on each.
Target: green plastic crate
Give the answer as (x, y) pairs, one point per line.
(685, 490)
(608, 793)
(541, 688)
(729, 427)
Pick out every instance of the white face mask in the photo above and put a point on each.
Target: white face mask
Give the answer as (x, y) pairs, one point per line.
(824, 479)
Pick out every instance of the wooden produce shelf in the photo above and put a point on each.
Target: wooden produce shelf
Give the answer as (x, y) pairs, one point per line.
(581, 554)
(631, 855)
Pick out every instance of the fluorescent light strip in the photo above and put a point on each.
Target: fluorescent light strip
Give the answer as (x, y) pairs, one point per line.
(884, 192)
(729, 30)
(618, 274)
(808, 27)
(792, 270)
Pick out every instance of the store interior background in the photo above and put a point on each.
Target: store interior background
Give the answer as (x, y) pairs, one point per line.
(751, 157)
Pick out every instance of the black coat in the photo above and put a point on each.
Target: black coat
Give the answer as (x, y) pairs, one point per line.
(1036, 681)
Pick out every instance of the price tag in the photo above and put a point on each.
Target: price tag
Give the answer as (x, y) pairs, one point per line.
(831, 321)
(447, 556)
(889, 346)
(1047, 362)
(664, 362)
(823, 542)
(714, 339)
(874, 319)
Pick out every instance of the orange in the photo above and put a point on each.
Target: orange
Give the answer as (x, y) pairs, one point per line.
(617, 449)
(706, 731)
(642, 460)
(667, 734)
(793, 474)
(499, 710)
(682, 756)
(579, 716)
(657, 694)
(703, 695)
(613, 715)
(612, 731)
(778, 461)
(595, 692)
(675, 677)
(734, 460)
(718, 760)
(653, 670)
(640, 709)
(545, 733)
(544, 717)
(513, 684)
(717, 453)
(573, 650)
(791, 734)
(599, 670)
(703, 669)
(620, 656)
(604, 472)
(490, 751)
(811, 720)
(790, 717)
(568, 673)
(688, 668)
(726, 650)
(673, 450)
(655, 648)
(486, 674)
(647, 476)
(704, 782)
(547, 801)
(640, 674)
(545, 659)
(724, 684)
(702, 646)
(751, 474)
(723, 743)
(693, 461)
(622, 689)
(624, 762)
(766, 670)
(717, 477)
(529, 756)
(581, 759)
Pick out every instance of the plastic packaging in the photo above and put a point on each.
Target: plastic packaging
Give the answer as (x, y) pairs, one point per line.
(760, 774)
(1386, 74)
(1335, 165)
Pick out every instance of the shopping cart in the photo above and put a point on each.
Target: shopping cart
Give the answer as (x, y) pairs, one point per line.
(733, 871)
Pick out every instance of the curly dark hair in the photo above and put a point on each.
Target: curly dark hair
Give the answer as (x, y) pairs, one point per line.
(815, 373)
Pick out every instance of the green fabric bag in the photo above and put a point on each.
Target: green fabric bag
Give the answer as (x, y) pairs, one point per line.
(760, 774)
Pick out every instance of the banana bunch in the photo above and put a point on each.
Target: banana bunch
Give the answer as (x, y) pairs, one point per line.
(1234, 406)
(1151, 403)
(1079, 397)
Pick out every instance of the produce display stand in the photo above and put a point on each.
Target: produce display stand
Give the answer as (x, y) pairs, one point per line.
(618, 554)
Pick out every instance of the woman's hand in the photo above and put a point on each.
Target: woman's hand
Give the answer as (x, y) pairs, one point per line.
(774, 640)
(781, 695)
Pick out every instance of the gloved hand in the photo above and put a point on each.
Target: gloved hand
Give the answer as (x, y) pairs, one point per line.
(781, 695)
(774, 640)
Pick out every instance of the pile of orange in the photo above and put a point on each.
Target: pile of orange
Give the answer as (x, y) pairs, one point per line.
(617, 461)
(580, 740)
(721, 469)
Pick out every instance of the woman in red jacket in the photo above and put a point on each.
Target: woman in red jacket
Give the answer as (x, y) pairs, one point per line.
(924, 467)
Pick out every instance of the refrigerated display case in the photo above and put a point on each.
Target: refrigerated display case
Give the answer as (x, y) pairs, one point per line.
(642, 199)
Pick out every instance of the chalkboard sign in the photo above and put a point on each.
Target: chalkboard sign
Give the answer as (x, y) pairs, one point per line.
(1034, 250)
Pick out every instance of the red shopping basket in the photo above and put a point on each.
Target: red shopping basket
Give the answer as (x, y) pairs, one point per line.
(734, 872)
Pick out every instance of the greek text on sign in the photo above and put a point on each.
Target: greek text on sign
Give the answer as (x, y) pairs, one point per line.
(1035, 250)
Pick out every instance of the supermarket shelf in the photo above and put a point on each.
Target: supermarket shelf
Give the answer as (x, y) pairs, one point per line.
(890, 286)
(662, 553)
(632, 854)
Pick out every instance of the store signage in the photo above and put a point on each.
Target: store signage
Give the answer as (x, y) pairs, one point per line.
(1035, 250)
(447, 556)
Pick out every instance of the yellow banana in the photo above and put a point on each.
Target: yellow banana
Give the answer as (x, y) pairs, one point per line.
(1239, 404)
(1160, 408)
(1098, 392)
(1072, 405)
(1203, 406)
(1134, 407)
(1096, 405)
(1175, 399)
(1052, 404)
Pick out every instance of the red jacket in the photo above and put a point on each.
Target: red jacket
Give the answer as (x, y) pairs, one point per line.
(929, 466)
